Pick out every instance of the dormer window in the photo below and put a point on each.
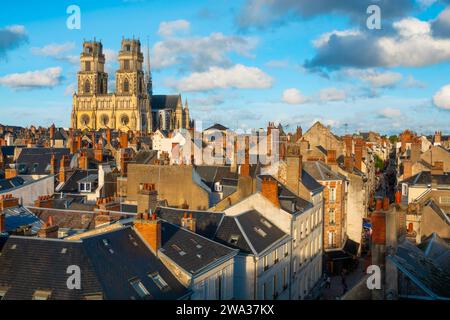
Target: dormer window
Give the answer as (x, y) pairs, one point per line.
(217, 187)
(85, 187)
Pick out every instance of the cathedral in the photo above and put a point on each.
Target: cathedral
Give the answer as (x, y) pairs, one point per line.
(132, 106)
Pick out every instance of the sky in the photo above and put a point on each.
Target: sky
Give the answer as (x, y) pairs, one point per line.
(243, 63)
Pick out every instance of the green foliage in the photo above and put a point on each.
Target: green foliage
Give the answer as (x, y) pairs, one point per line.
(393, 139)
(379, 163)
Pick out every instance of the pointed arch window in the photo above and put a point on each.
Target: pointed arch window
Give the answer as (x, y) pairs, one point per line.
(87, 86)
(126, 86)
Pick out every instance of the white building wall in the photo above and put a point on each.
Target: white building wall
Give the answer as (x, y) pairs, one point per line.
(35, 186)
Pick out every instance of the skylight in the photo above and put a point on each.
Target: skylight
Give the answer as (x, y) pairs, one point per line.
(139, 288)
(266, 223)
(260, 231)
(159, 281)
(234, 238)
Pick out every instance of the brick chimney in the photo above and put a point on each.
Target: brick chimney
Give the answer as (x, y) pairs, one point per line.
(378, 220)
(331, 157)
(10, 173)
(150, 230)
(107, 204)
(48, 230)
(52, 133)
(64, 165)
(83, 162)
(416, 147)
(386, 204)
(407, 169)
(147, 198)
(348, 163)
(245, 167)
(2, 222)
(123, 140)
(53, 167)
(125, 158)
(189, 222)
(359, 149)
(437, 137)
(438, 168)
(98, 152)
(379, 204)
(44, 202)
(294, 168)
(108, 135)
(348, 142)
(8, 201)
(269, 189)
(398, 197)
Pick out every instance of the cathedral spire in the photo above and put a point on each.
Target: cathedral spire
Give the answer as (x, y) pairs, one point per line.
(148, 72)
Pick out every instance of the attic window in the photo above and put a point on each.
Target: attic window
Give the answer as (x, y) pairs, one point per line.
(199, 255)
(266, 223)
(13, 247)
(139, 288)
(234, 239)
(105, 242)
(159, 281)
(42, 295)
(178, 249)
(260, 231)
(197, 245)
(64, 250)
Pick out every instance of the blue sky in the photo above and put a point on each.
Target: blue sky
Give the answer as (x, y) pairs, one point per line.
(245, 62)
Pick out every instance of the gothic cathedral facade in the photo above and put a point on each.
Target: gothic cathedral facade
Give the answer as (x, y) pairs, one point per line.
(132, 106)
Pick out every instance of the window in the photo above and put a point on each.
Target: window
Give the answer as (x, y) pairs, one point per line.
(217, 187)
(219, 287)
(87, 86)
(275, 256)
(404, 189)
(41, 295)
(234, 238)
(159, 281)
(126, 64)
(285, 273)
(87, 66)
(294, 236)
(275, 283)
(332, 197)
(265, 263)
(302, 229)
(139, 288)
(332, 217)
(126, 85)
(444, 200)
(331, 239)
(286, 249)
(3, 291)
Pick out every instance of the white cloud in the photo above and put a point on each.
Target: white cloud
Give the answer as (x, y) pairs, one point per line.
(376, 79)
(390, 113)
(53, 50)
(411, 82)
(18, 29)
(410, 27)
(46, 78)
(332, 94)
(277, 63)
(169, 28)
(293, 96)
(442, 98)
(200, 53)
(238, 76)
(324, 38)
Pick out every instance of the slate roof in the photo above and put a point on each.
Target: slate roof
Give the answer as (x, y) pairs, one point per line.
(438, 210)
(146, 157)
(423, 178)
(16, 217)
(71, 184)
(217, 126)
(67, 219)
(289, 201)
(108, 263)
(7, 184)
(206, 222)
(310, 183)
(160, 102)
(190, 251)
(422, 270)
(321, 172)
(212, 174)
(7, 151)
(250, 232)
(437, 249)
(37, 160)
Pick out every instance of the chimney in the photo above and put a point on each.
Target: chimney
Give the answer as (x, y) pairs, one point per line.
(398, 197)
(64, 165)
(44, 202)
(78, 142)
(8, 201)
(10, 173)
(294, 168)
(437, 137)
(378, 220)
(415, 150)
(269, 189)
(98, 152)
(379, 204)
(348, 141)
(438, 168)
(386, 204)
(147, 198)
(359, 146)
(348, 163)
(107, 204)
(52, 133)
(125, 158)
(245, 167)
(189, 222)
(53, 167)
(407, 169)
(48, 230)
(150, 231)
(83, 162)
(108, 135)
(331, 157)
(123, 140)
